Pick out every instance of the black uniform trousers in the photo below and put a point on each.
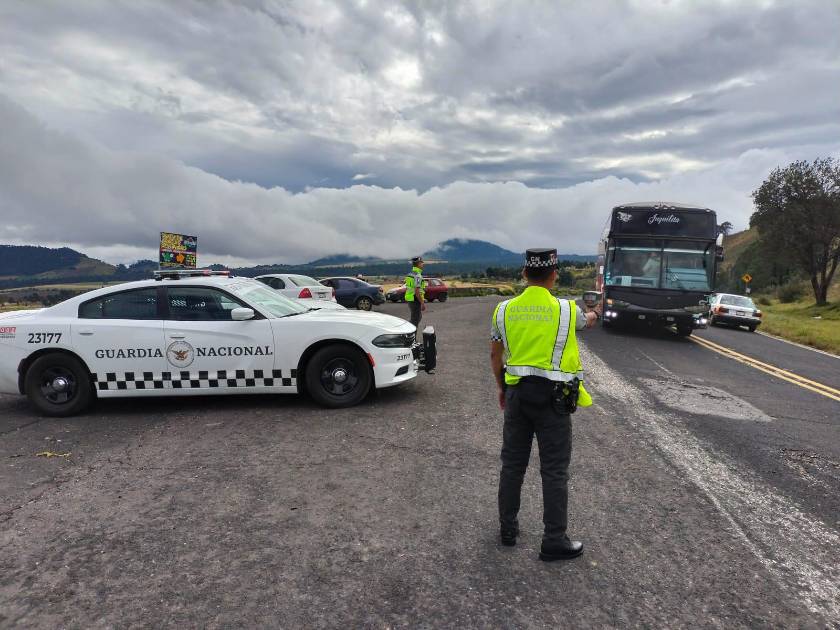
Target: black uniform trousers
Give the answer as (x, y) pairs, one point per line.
(529, 411)
(416, 313)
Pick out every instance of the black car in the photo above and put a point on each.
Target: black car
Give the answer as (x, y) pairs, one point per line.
(355, 293)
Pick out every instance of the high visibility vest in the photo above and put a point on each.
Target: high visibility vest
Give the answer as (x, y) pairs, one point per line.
(413, 283)
(538, 332)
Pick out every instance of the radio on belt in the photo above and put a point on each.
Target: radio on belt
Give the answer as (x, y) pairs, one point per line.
(426, 352)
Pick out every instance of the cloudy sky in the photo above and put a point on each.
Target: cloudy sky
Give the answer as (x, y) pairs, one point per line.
(280, 131)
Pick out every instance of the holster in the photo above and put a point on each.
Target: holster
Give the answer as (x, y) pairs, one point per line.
(565, 396)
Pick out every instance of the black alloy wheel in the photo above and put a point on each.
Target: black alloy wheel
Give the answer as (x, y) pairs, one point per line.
(338, 376)
(364, 303)
(443, 297)
(58, 385)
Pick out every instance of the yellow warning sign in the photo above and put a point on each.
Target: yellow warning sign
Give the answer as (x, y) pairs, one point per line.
(746, 278)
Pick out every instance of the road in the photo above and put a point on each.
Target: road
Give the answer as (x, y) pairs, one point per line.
(707, 493)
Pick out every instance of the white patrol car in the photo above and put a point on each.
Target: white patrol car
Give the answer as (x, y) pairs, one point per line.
(198, 333)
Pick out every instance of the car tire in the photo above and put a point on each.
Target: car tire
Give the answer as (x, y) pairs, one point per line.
(443, 297)
(338, 376)
(45, 393)
(712, 321)
(752, 327)
(364, 303)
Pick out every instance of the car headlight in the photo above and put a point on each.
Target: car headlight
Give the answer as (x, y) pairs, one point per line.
(394, 341)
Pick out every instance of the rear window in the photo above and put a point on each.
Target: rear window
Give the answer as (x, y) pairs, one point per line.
(737, 300)
(304, 281)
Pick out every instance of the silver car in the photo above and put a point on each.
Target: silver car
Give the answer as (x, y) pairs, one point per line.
(738, 310)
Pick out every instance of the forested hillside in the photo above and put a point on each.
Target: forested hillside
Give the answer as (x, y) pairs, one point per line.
(19, 260)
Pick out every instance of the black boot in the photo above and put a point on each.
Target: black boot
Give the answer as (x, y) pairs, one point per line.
(561, 550)
(508, 537)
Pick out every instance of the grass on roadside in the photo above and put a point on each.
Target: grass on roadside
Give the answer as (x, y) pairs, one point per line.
(803, 322)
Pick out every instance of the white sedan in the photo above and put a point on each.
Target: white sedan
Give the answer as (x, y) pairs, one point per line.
(188, 334)
(297, 286)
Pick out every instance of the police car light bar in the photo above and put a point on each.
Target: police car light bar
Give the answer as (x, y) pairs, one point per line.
(175, 274)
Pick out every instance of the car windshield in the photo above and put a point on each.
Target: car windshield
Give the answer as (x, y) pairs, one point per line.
(305, 281)
(737, 300)
(268, 300)
(685, 265)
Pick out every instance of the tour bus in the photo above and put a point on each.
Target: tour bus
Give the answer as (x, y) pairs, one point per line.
(656, 264)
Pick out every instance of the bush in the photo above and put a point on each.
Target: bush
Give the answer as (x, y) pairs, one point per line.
(763, 301)
(790, 292)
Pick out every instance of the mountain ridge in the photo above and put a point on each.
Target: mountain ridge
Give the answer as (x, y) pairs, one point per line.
(32, 265)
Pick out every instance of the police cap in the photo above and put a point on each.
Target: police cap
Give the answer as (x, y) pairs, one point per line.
(416, 260)
(540, 258)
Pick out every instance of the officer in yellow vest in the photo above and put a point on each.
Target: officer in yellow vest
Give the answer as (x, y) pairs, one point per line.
(414, 290)
(534, 357)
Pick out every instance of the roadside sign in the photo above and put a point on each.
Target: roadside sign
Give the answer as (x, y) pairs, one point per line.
(177, 251)
(748, 290)
(746, 278)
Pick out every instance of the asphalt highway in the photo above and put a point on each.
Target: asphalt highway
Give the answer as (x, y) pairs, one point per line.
(706, 491)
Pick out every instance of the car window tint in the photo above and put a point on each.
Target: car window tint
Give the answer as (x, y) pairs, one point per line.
(200, 304)
(138, 304)
(345, 283)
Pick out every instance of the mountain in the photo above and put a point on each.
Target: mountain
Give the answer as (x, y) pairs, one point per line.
(339, 260)
(46, 264)
(469, 250)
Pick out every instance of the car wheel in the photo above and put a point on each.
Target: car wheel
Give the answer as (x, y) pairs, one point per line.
(712, 321)
(752, 327)
(58, 385)
(443, 297)
(338, 376)
(364, 303)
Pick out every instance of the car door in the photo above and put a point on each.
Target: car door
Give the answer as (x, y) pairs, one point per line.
(120, 337)
(345, 291)
(207, 350)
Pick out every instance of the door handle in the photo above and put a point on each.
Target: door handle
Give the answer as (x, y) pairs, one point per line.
(177, 336)
(86, 333)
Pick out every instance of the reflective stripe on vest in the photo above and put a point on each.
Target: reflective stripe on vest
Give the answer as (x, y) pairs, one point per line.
(413, 283)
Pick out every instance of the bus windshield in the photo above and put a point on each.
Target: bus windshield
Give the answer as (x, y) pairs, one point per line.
(658, 264)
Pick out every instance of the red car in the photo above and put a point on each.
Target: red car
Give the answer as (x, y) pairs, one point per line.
(436, 289)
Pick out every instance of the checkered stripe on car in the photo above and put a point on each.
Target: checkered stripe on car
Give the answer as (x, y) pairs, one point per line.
(109, 381)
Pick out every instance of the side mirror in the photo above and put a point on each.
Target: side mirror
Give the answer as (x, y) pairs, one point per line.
(241, 314)
(719, 253)
(591, 298)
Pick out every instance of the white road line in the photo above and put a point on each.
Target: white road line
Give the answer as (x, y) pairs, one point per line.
(801, 552)
(798, 345)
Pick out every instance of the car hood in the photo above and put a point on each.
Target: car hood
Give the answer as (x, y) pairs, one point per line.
(322, 304)
(18, 314)
(374, 320)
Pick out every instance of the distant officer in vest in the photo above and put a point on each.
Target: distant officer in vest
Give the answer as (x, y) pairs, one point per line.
(414, 292)
(534, 356)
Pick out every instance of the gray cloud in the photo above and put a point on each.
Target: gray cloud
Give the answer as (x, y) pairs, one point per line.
(272, 108)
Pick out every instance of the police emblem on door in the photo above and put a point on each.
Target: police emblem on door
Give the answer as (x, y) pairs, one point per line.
(180, 354)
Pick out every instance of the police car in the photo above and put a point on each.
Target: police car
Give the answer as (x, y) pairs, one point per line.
(198, 332)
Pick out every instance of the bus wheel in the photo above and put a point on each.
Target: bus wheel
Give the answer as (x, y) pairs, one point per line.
(684, 331)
